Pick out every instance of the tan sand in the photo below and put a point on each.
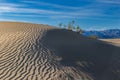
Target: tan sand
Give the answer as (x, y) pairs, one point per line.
(115, 42)
(40, 52)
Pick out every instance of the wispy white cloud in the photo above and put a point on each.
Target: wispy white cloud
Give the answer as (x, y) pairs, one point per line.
(94, 9)
(9, 4)
(50, 13)
(51, 5)
(13, 8)
(109, 1)
(75, 12)
(4, 9)
(9, 7)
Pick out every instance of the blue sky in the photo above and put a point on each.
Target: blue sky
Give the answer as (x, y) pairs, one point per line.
(89, 14)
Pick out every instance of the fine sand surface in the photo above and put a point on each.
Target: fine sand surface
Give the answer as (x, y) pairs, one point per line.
(115, 42)
(40, 52)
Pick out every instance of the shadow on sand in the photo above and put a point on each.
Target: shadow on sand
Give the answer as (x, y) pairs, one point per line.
(98, 58)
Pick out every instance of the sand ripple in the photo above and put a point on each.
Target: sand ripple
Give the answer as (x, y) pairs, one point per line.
(24, 55)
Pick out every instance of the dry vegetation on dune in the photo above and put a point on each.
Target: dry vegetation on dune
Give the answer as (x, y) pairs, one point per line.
(40, 52)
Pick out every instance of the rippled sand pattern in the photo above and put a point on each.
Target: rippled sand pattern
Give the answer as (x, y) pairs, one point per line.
(24, 56)
(41, 52)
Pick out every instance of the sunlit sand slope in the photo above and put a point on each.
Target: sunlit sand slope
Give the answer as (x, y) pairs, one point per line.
(40, 52)
(115, 42)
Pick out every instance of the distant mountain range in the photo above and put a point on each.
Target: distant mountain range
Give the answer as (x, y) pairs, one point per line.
(104, 34)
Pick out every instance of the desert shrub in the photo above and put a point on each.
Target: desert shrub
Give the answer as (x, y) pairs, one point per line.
(60, 25)
(71, 26)
(78, 29)
(93, 37)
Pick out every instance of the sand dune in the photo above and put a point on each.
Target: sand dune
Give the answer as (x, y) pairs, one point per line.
(115, 42)
(40, 52)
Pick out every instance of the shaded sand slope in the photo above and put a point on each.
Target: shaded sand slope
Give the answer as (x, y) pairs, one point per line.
(94, 57)
(40, 52)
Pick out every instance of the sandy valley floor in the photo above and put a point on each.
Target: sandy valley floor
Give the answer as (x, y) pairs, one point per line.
(113, 41)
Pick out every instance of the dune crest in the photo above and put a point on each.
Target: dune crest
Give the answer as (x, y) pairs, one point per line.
(40, 52)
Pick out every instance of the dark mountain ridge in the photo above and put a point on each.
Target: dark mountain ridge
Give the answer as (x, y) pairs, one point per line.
(104, 34)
